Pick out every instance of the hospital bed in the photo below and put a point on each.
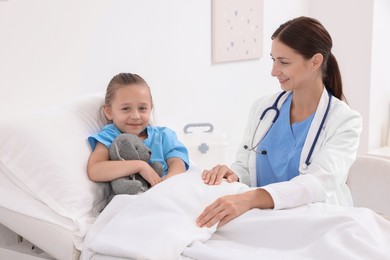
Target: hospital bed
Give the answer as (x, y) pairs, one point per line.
(51, 210)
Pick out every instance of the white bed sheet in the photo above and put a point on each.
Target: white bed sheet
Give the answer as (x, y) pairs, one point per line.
(160, 224)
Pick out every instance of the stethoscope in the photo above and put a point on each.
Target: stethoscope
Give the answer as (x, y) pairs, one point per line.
(275, 108)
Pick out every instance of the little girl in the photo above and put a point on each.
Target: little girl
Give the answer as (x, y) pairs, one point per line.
(127, 108)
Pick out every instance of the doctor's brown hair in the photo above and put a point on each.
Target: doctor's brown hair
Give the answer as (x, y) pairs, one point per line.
(308, 37)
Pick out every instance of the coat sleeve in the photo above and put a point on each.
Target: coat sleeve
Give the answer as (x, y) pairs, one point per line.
(325, 179)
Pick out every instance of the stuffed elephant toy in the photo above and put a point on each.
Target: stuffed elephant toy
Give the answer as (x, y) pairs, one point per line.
(131, 147)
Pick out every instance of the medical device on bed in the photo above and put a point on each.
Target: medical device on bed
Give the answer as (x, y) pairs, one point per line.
(276, 109)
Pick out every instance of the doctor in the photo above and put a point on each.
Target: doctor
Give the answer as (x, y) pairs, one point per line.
(298, 145)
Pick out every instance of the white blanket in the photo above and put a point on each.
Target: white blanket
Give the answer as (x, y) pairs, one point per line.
(160, 224)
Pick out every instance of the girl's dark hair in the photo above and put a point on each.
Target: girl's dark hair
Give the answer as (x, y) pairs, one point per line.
(308, 36)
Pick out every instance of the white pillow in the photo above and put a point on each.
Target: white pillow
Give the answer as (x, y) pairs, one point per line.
(46, 155)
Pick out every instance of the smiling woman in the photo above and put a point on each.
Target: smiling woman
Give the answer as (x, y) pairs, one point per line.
(301, 151)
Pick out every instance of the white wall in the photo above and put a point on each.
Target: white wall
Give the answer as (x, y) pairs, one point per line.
(54, 51)
(350, 24)
(361, 35)
(379, 127)
(51, 51)
(43, 51)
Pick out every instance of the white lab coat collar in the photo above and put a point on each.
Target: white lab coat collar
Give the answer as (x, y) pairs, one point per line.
(319, 115)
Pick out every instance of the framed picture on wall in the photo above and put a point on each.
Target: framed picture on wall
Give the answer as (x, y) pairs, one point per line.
(237, 30)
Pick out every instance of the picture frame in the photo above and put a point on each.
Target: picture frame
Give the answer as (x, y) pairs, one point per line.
(237, 29)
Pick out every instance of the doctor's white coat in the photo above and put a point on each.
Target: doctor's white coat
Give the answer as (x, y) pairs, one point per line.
(324, 180)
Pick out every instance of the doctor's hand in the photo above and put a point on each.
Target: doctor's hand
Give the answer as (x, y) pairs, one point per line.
(229, 207)
(224, 210)
(217, 173)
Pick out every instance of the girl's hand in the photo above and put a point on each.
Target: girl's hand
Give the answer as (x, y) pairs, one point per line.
(150, 175)
(217, 173)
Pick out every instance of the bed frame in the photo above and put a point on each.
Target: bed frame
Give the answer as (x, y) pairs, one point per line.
(53, 242)
(22, 250)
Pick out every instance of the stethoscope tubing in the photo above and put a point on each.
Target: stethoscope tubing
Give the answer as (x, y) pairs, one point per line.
(273, 107)
(277, 111)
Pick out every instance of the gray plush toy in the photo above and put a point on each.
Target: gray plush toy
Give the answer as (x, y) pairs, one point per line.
(131, 147)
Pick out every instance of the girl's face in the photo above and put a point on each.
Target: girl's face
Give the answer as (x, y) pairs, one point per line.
(130, 109)
(290, 67)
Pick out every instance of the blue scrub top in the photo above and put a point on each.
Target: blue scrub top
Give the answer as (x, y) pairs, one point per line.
(162, 141)
(279, 153)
